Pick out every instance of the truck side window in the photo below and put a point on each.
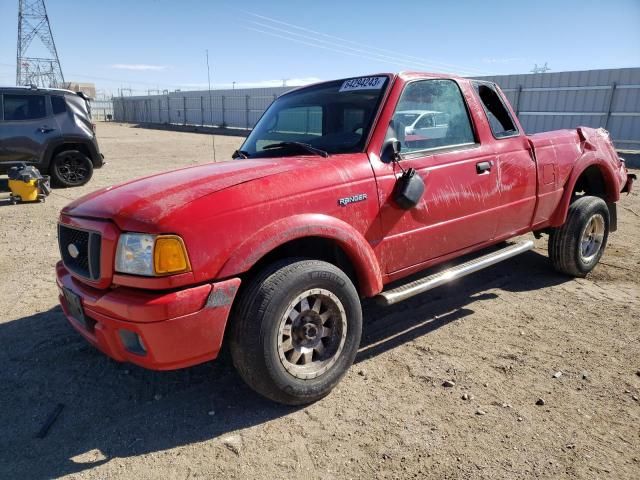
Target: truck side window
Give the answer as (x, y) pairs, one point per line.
(24, 107)
(499, 118)
(438, 99)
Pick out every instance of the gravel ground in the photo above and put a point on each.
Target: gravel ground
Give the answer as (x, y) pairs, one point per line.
(504, 340)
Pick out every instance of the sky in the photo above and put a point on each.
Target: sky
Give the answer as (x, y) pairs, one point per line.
(161, 44)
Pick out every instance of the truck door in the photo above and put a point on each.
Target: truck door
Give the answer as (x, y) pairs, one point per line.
(460, 176)
(516, 166)
(27, 128)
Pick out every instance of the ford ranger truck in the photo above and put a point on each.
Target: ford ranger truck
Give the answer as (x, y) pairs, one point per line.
(329, 200)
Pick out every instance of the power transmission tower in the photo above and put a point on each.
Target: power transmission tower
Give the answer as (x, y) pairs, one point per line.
(542, 69)
(36, 66)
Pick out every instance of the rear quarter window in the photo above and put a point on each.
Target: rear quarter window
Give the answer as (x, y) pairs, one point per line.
(58, 104)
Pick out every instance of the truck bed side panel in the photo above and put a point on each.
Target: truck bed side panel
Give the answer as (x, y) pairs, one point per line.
(556, 154)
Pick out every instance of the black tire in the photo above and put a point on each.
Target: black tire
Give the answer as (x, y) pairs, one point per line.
(256, 338)
(70, 168)
(566, 250)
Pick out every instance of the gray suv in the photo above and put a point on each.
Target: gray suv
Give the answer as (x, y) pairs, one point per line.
(50, 129)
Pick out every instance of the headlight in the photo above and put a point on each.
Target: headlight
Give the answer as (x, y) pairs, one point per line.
(151, 255)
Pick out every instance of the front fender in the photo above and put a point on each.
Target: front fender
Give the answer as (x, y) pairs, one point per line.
(282, 231)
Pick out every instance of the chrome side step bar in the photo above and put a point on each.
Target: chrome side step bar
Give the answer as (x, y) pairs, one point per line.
(422, 285)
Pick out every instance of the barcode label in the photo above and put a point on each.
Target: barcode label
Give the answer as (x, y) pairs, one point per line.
(362, 83)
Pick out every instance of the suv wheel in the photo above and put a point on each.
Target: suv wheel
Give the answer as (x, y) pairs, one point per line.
(576, 247)
(71, 168)
(296, 330)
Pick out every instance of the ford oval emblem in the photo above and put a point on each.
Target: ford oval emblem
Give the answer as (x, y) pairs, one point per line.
(73, 250)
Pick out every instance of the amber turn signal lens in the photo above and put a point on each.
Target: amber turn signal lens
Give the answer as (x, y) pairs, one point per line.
(170, 255)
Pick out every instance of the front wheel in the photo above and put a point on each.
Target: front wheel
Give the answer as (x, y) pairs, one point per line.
(576, 247)
(296, 330)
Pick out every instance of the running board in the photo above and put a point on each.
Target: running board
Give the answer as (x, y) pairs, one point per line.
(422, 285)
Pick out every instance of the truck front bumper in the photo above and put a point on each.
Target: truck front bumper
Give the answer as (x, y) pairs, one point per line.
(156, 330)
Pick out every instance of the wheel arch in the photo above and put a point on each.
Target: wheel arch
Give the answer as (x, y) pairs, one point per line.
(61, 145)
(592, 176)
(316, 236)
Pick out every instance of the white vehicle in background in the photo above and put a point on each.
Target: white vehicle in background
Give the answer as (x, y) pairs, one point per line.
(423, 124)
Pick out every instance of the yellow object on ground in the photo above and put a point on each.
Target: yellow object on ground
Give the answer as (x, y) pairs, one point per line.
(27, 191)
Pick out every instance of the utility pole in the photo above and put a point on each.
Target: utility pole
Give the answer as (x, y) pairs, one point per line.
(213, 137)
(32, 68)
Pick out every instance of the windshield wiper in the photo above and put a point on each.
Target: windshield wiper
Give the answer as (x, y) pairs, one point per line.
(240, 154)
(303, 146)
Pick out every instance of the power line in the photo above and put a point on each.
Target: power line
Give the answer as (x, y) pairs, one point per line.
(394, 55)
(325, 47)
(341, 49)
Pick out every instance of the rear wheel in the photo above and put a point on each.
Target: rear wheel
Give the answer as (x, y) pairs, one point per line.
(576, 247)
(296, 330)
(71, 168)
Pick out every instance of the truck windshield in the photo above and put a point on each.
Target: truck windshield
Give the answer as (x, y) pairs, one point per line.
(329, 118)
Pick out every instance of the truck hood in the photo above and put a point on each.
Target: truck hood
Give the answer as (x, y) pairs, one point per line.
(150, 199)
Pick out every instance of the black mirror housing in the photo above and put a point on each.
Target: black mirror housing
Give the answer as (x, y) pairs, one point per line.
(409, 189)
(391, 151)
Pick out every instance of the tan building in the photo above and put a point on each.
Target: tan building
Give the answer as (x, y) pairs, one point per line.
(89, 89)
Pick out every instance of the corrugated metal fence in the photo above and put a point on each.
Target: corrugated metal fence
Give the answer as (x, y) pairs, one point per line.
(239, 108)
(543, 101)
(592, 98)
(101, 109)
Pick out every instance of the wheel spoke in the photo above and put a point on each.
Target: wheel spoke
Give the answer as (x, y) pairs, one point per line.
(295, 356)
(319, 349)
(326, 332)
(325, 316)
(293, 314)
(286, 330)
(304, 305)
(316, 305)
(307, 357)
(287, 345)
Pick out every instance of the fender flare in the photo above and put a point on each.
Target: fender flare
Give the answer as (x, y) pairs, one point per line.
(282, 231)
(613, 195)
(47, 157)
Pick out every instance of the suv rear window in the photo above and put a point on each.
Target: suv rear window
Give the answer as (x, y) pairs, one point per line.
(24, 107)
(58, 104)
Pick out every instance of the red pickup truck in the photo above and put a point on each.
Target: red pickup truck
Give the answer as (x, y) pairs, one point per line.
(335, 194)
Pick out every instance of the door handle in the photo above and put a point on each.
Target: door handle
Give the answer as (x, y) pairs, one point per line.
(482, 167)
(45, 129)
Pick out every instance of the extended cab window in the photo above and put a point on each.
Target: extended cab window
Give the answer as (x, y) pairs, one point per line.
(431, 114)
(499, 118)
(328, 118)
(24, 107)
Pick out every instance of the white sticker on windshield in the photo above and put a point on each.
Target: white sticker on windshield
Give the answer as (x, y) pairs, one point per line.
(362, 83)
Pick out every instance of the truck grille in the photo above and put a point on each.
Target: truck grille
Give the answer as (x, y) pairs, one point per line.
(80, 250)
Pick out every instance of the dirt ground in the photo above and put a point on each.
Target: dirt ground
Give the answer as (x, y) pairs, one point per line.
(501, 336)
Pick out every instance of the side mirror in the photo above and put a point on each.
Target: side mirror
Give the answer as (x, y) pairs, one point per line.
(391, 151)
(409, 189)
